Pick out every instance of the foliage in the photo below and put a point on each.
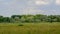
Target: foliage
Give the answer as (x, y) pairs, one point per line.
(30, 18)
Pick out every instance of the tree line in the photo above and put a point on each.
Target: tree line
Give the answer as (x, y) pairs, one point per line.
(30, 18)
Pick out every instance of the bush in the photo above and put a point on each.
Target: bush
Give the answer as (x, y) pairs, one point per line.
(20, 25)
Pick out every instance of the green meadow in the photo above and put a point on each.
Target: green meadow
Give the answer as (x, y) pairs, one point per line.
(30, 28)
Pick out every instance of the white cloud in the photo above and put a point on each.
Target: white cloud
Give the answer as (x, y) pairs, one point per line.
(58, 2)
(41, 2)
(38, 2)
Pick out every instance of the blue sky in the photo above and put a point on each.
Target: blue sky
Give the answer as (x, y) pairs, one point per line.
(19, 7)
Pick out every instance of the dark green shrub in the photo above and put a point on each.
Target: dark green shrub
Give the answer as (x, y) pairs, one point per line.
(20, 25)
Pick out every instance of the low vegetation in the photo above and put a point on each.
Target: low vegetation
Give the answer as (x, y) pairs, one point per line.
(20, 25)
(30, 28)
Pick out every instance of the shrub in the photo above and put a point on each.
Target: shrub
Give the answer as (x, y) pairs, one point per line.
(20, 25)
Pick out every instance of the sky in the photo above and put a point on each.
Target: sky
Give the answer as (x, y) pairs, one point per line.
(22, 7)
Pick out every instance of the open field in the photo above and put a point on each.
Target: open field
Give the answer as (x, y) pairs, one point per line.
(30, 28)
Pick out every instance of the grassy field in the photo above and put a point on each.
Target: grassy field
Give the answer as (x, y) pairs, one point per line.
(30, 28)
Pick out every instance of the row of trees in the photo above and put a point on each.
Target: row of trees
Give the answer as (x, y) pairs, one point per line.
(30, 18)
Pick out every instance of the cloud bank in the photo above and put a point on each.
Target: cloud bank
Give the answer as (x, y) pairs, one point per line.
(58, 2)
(10, 7)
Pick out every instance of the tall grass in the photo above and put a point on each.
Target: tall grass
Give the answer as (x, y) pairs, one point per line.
(30, 28)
